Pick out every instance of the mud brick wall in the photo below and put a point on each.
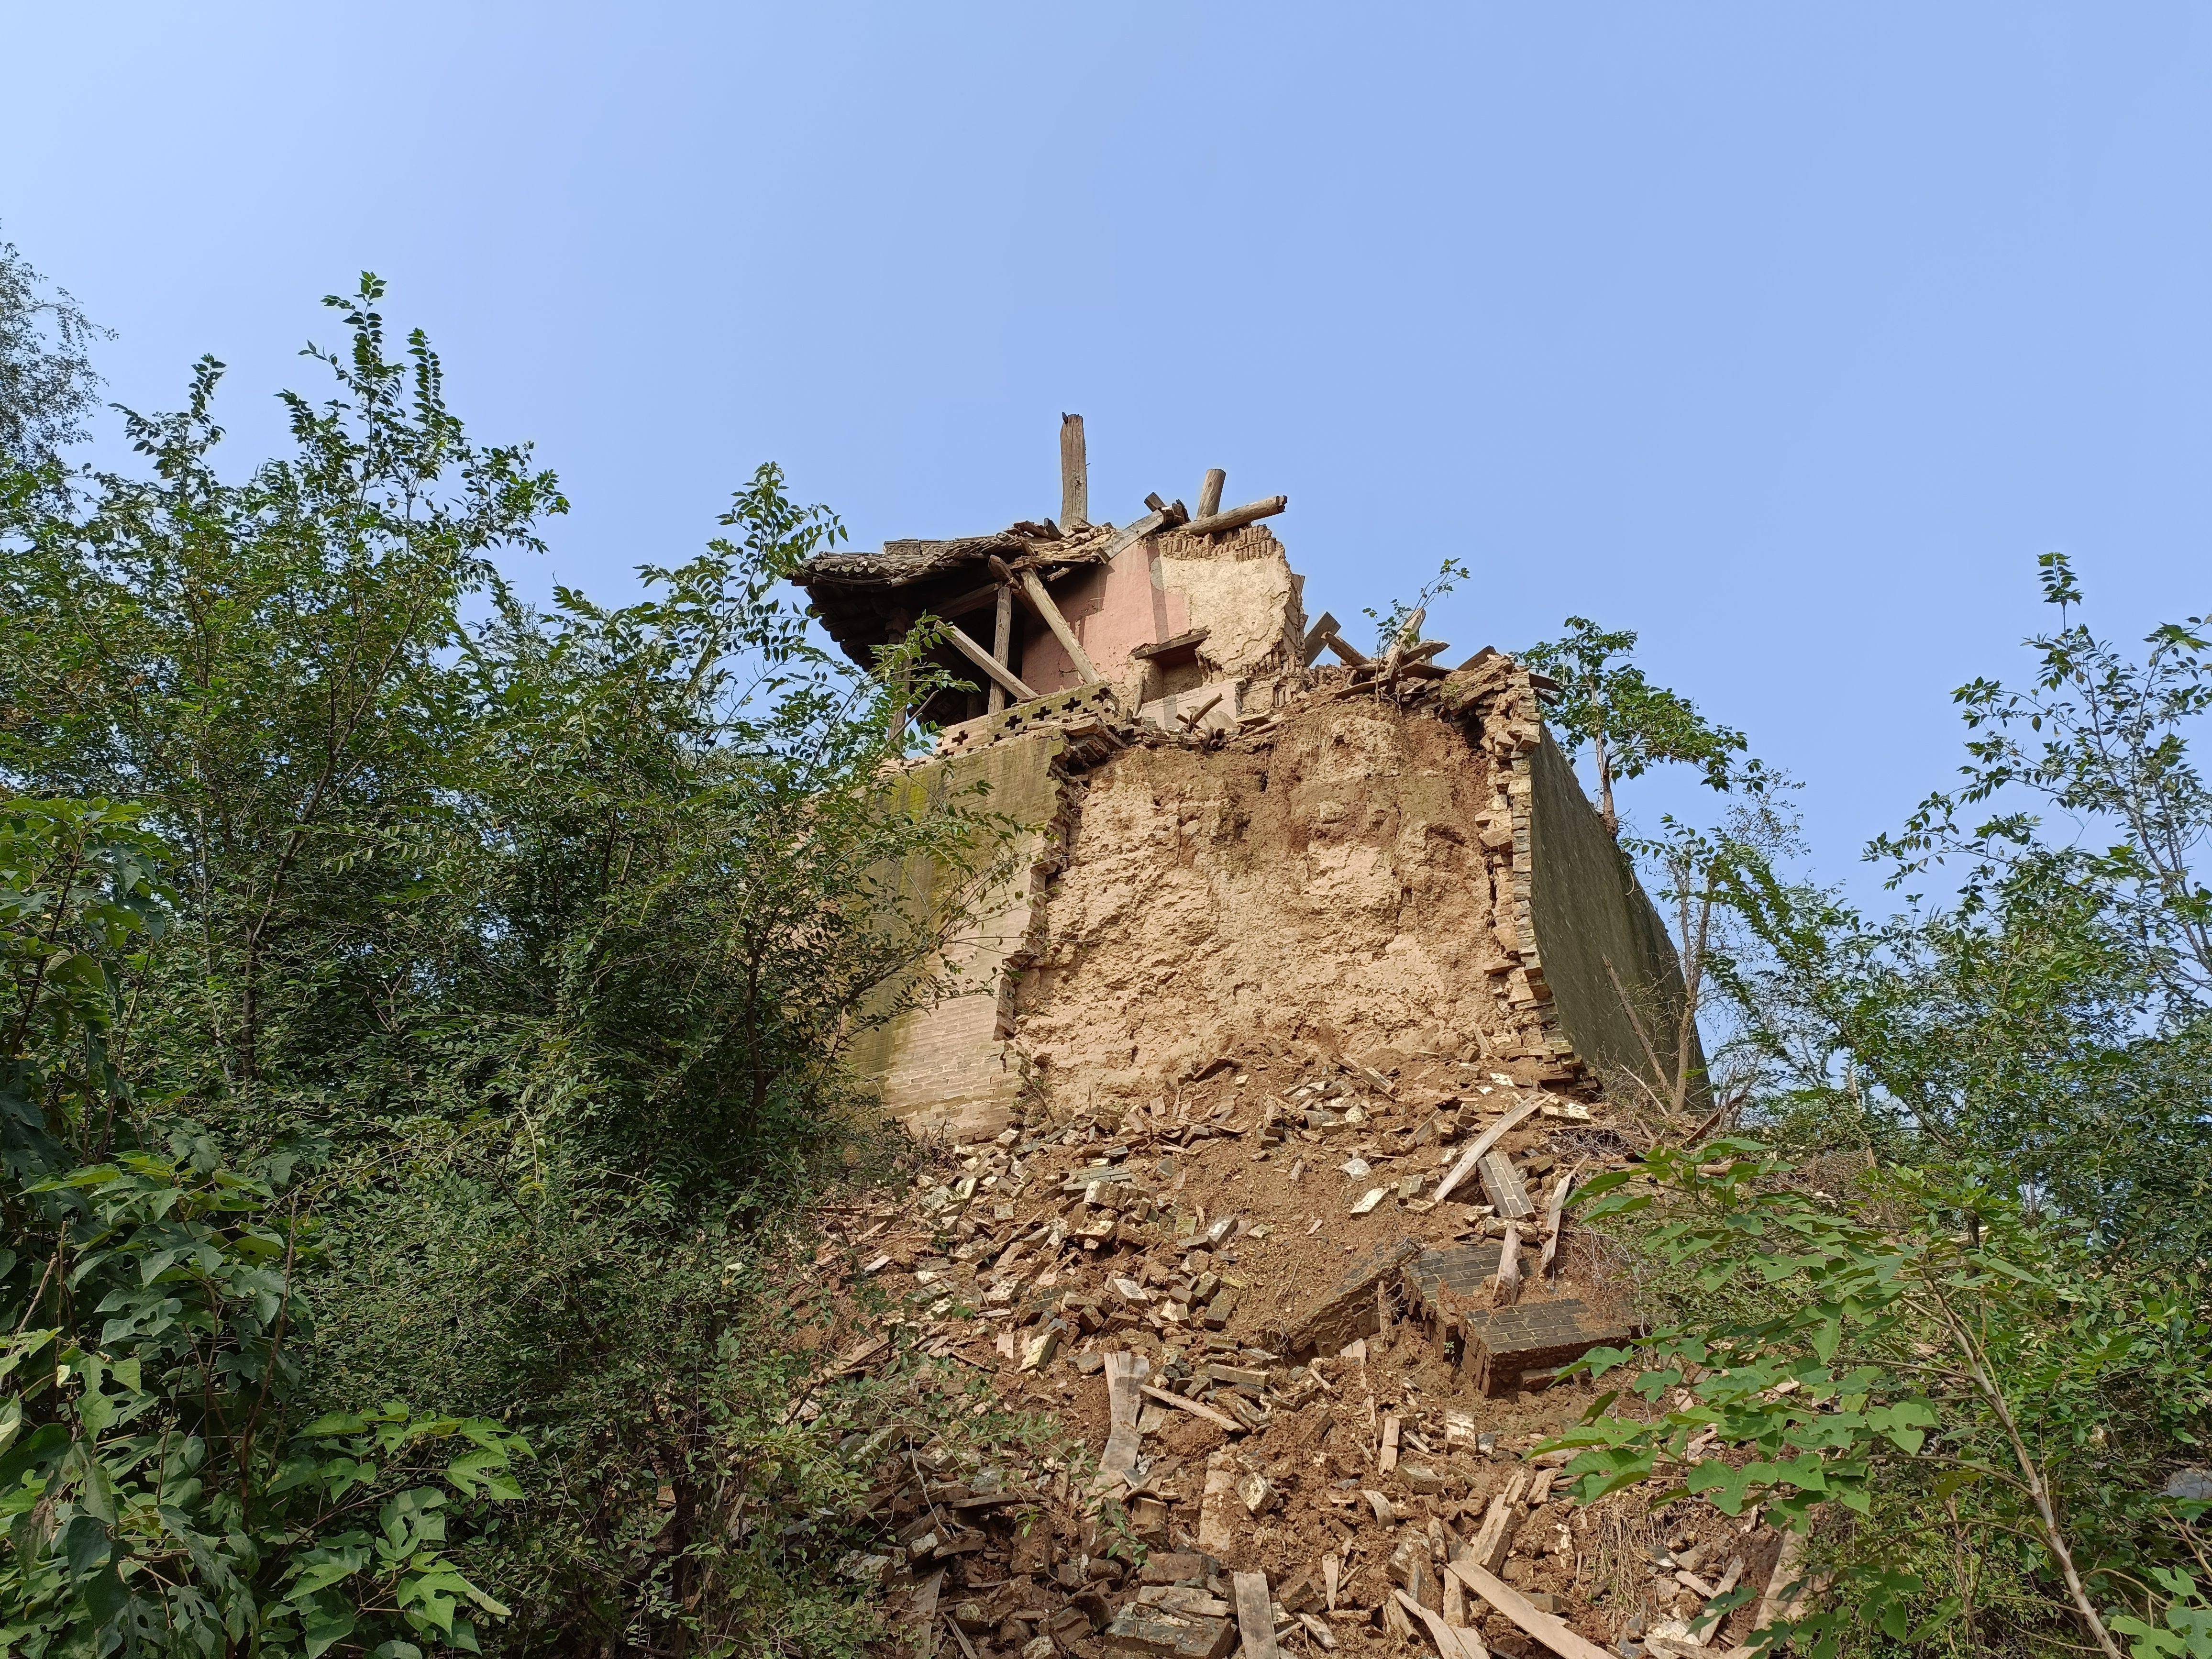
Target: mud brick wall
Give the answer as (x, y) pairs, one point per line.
(946, 1065)
(1362, 878)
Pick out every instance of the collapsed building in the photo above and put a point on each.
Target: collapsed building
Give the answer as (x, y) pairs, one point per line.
(1290, 1020)
(1228, 841)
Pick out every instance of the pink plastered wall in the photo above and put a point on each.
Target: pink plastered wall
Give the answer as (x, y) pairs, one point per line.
(1112, 611)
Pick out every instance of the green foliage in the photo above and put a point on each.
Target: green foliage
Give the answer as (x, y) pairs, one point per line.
(1919, 1350)
(504, 977)
(1604, 700)
(161, 1486)
(47, 383)
(1391, 625)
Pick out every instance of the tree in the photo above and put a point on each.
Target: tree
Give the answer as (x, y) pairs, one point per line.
(47, 386)
(166, 1486)
(510, 958)
(1631, 725)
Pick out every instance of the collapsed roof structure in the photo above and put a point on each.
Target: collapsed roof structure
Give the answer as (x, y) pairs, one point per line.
(1228, 841)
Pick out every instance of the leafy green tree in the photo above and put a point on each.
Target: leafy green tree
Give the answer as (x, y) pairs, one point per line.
(1924, 1352)
(1630, 724)
(163, 1487)
(519, 948)
(47, 386)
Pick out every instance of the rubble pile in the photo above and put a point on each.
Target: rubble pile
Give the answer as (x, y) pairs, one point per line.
(1308, 1401)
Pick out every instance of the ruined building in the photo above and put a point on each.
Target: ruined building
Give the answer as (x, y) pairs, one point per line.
(1232, 843)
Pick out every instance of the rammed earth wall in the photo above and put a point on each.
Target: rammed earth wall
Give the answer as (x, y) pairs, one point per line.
(1367, 877)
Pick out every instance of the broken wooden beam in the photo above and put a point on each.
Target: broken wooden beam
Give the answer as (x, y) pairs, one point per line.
(1196, 1408)
(1182, 645)
(1213, 523)
(1255, 1617)
(1166, 517)
(1074, 473)
(1042, 603)
(1483, 1142)
(1548, 1628)
(1350, 652)
(1506, 1188)
(983, 659)
(1209, 492)
(1190, 721)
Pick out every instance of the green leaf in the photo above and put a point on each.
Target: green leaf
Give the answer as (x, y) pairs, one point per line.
(85, 1545)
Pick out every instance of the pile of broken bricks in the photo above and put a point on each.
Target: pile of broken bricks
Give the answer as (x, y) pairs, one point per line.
(1283, 1454)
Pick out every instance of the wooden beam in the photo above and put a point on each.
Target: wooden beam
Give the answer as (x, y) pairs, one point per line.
(1124, 1372)
(1317, 638)
(1554, 1213)
(1044, 606)
(1255, 1618)
(1209, 493)
(1506, 1188)
(1546, 1628)
(983, 659)
(1453, 1642)
(1130, 534)
(1483, 1142)
(1250, 512)
(1220, 1420)
(1183, 644)
(1074, 473)
(1347, 650)
(1002, 643)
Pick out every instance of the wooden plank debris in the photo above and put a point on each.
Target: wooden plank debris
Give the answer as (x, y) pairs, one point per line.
(1453, 1641)
(1125, 1374)
(1317, 638)
(1479, 1147)
(1256, 1619)
(1554, 1214)
(1506, 1190)
(1196, 1408)
(1548, 1628)
(1184, 644)
(1494, 1537)
(1507, 1290)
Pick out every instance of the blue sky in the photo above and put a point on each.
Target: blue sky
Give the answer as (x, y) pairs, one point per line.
(1788, 336)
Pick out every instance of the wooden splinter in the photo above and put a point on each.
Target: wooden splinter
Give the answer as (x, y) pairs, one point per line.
(1507, 1290)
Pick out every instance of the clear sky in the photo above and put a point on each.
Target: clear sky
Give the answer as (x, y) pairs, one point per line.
(1786, 335)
